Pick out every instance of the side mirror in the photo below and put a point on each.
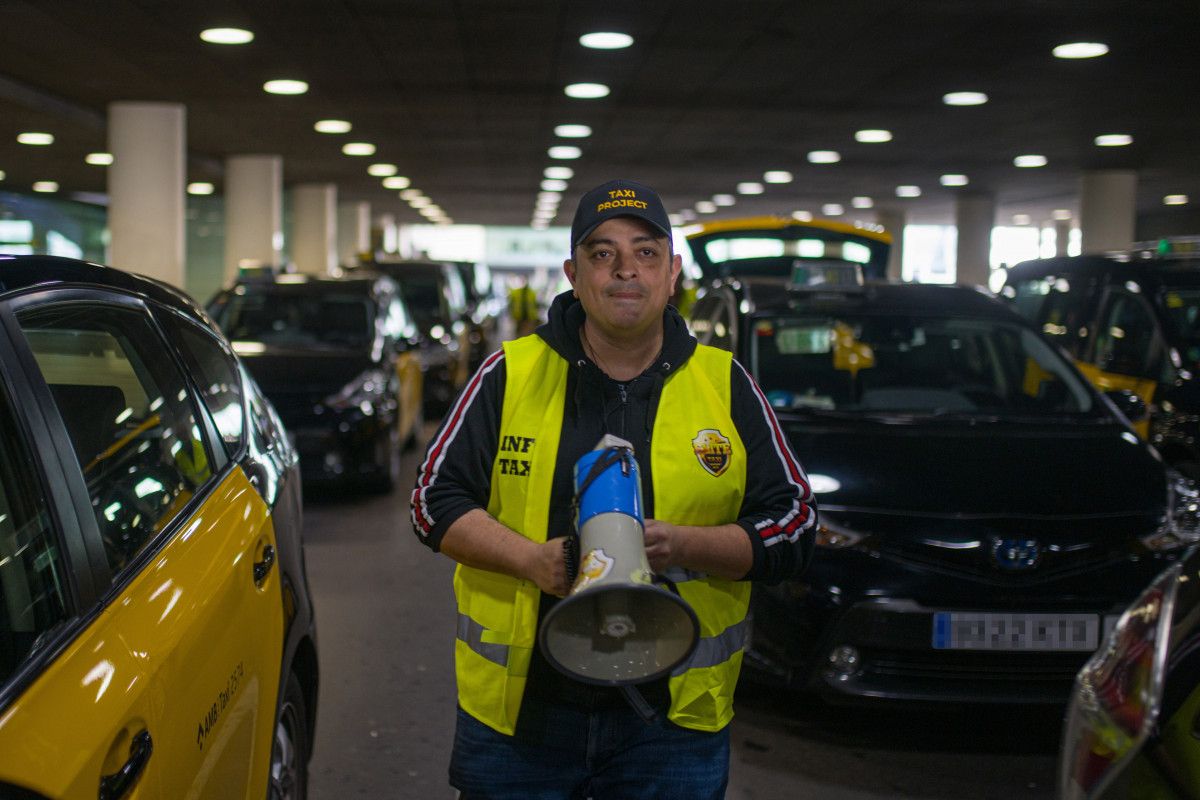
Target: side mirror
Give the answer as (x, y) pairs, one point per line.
(1130, 404)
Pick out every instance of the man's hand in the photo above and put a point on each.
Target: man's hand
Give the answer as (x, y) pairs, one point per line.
(723, 551)
(478, 540)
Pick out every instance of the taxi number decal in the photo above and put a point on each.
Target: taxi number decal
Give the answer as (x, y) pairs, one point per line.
(224, 698)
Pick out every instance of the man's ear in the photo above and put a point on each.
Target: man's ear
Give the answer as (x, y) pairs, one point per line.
(569, 271)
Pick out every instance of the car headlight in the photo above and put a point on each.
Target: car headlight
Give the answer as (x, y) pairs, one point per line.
(361, 392)
(1180, 526)
(836, 536)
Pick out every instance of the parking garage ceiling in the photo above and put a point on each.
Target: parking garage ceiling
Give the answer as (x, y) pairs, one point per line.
(464, 97)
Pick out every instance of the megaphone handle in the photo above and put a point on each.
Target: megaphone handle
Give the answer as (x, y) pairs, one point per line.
(639, 704)
(571, 556)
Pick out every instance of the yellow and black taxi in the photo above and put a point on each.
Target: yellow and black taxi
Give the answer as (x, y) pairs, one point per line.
(986, 512)
(1131, 320)
(156, 629)
(1132, 723)
(340, 359)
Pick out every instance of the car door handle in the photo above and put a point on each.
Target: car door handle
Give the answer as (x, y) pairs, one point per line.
(261, 568)
(121, 781)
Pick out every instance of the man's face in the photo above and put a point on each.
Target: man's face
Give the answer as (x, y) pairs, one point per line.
(623, 273)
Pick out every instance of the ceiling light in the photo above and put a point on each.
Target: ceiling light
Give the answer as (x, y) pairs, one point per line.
(749, 187)
(724, 199)
(908, 191)
(1030, 161)
(1060, 213)
(706, 207)
(777, 176)
(572, 131)
(964, 98)
(35, 138)
(200, 187)
(421, 201)
(606, 40)
(824, 157)
(832, 210)
(1175, 200)
(587, 91)
(381, 170)
(545, 195)
(862, 202)
(396, 182)
(564, 151)
(285, 87)
(332, 126)
(803, 216)
(410, 194)
(45, 186)
(687, 214)
(99, 159)
(552, 185)
(1114, 140)
(873, 136)
(559, 173)
(3, 175)
(953, 180)
(358, 149)
(1021, 219)
(227, 36)
(1080, 50)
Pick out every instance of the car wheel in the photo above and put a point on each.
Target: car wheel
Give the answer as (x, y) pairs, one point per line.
(289, 752)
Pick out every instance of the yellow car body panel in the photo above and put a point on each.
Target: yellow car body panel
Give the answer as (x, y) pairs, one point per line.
(412, 388)
(189, 651)
(1110, 381)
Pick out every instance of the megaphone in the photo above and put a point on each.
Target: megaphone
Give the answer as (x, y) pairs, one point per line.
(617, 627)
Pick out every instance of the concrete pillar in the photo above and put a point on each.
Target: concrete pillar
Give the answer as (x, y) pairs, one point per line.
(314, 227)
(1062, 236)
(253, 211)
(146, 189)
(353, 232)
(1107, 210)
(892, 220)
(975, 216)
(385, 235)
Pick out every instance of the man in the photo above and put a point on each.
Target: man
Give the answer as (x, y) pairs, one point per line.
(495, 494)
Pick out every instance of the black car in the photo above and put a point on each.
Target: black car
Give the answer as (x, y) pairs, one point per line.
(1131, 726)
(485, 306)
(435, 293)
(1130, 321)
(986, 513)
(340, 357)
(157, 634)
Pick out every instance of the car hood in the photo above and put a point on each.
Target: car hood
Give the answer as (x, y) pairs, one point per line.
(988, 469)
(280, 371)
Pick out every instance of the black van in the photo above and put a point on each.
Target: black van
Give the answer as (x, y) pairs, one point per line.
(1131, 321)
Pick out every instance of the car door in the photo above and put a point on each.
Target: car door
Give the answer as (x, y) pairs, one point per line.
(192, 596)
(1127, 348)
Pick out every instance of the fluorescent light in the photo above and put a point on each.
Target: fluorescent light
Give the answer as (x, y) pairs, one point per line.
(777, 176)
(35, 138)
(606, 40)
(564, 151)
(832, 210)
(1080, 50)
(382, 170)
(803, 216)
(200, 187)
(586, 90)
(749, 187)
(724, 199)
(1021, 219)
(1060, 214)
(1114, 140)
(953, 180)
(410, 194)
(227, 36)
(908, 191)
(332, 126)
(706, 207)
(285, 87)
(1030, 161)
(552, 185)
(358, 149)
(1175, 200)
(559, 173)
(99, 159)
(862, 202)
(964, 98)
(572, 131)
(396, 182)
(45, 186)
(824, 157)
(873, 136)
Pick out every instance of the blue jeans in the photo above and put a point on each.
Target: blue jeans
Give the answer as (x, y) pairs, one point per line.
(569, 754)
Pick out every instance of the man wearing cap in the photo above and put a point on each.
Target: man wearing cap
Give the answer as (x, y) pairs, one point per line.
(726, 503)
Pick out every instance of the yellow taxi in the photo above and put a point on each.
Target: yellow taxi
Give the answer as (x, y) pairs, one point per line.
(157, 636)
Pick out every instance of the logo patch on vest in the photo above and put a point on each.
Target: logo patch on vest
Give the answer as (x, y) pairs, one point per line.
(712, 450)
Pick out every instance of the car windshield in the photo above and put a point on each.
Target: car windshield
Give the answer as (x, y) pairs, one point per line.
(1182, 305)
(424, 299)
(912, 365)
(293, 319)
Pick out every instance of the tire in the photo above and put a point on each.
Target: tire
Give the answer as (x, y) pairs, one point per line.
(290, 748)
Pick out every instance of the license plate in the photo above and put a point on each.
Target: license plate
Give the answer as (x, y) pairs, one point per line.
(995, 631)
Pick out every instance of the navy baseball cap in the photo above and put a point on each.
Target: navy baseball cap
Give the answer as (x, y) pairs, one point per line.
(618, 198)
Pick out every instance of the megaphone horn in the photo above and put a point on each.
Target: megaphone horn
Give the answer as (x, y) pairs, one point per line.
(616, 627)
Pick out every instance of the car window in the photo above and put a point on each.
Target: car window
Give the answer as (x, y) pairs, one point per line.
(215, 369)
(128, 413)
(1125, 336)
(33, 574)
(713, 320)
(294, 319)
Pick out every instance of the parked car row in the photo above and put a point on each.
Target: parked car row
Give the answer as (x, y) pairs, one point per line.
(148, 496)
